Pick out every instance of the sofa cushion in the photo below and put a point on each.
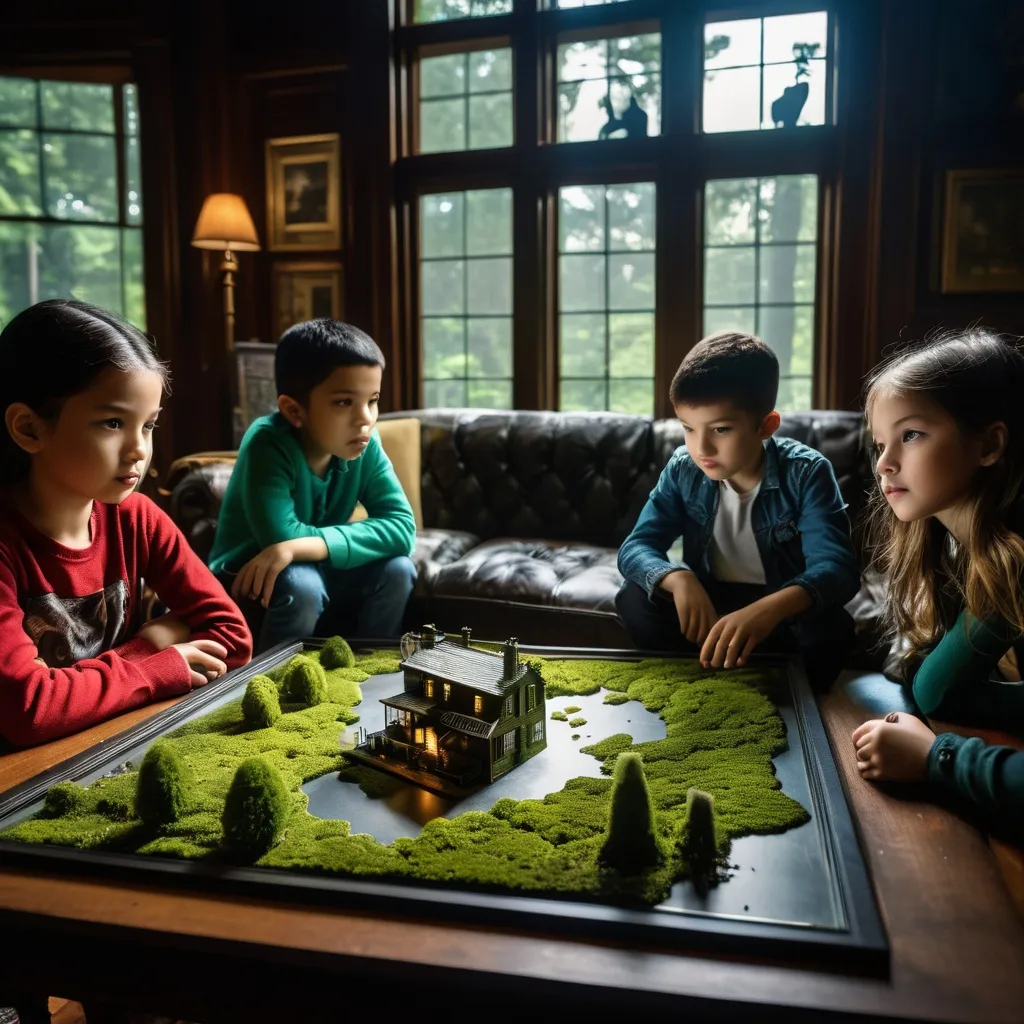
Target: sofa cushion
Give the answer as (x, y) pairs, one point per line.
(436, 549)
(535, 572)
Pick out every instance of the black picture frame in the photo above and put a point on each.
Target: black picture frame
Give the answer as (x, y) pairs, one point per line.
(861, 947)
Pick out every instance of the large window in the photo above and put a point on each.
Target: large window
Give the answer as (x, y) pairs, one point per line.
(70, 195)
(586, 187)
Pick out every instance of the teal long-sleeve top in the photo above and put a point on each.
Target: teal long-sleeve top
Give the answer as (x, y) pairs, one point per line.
(953, 683)
(274, 496)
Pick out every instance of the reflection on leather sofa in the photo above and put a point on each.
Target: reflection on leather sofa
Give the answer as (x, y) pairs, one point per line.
(523, 513)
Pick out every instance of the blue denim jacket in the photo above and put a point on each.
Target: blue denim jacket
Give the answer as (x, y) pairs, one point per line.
(799, 521)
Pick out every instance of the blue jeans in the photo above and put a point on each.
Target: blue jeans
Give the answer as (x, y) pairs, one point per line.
(312, 599)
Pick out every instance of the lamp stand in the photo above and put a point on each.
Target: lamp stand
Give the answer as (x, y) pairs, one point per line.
(229, 267)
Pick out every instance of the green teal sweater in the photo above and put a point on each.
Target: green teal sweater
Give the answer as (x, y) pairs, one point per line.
(954, 683)
(274, 496)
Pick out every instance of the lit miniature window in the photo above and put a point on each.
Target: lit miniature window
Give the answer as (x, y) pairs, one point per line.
(428, 688)
(419, 736)
(478, 704)
(447, 691)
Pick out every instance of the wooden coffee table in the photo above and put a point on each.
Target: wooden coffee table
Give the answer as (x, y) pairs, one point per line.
(946, 894)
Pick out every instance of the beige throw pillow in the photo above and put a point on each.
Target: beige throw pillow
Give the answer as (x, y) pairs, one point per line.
(400, 440)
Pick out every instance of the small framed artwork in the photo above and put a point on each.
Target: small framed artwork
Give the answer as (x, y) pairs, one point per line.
(257, 392)
(983, 240)
(305, 291)
(304, 193)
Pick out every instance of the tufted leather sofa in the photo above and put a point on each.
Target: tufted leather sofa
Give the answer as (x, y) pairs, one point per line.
(523, 514)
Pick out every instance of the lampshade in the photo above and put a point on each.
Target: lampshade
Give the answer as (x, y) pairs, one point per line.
(224, 223)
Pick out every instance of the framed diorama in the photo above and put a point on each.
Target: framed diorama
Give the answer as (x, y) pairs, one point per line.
(305, 291)
(983, 236)
(257, 392)
(487, 784)
(304, 193)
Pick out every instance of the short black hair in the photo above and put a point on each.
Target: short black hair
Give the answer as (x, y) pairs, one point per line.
(309, 352)
(728, 365)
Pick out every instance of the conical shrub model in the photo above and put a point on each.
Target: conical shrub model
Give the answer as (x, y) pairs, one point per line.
(306, 682)
(336, 653)
(164, 783)
(261, 705)
(631, 844)
(698, 841)
(256, 808)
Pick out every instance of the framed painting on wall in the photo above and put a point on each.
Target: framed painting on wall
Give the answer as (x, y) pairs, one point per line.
(257, 392)
(304, 291)
(983, 237)
(304, 193)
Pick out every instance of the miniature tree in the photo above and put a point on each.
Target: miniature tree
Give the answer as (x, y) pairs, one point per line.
(698, 840)
(261, 705)
(256, 808)
(162, 790)
(336, 653)
(64, 798)
(630, 845)
(306, 682)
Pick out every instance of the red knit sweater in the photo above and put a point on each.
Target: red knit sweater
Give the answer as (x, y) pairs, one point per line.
(69, 656)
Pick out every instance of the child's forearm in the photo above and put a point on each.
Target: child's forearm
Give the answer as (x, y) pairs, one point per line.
(991, 777)
(786, 603)
(306, 549)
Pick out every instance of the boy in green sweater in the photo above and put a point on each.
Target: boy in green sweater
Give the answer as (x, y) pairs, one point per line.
(285, 549)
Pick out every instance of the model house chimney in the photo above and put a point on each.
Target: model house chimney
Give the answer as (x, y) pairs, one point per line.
(429, 635)
(510, 655)
(466, 631)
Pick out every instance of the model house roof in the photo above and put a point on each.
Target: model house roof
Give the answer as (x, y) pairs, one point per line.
(467, 666)
(467, 724)
(408, 702)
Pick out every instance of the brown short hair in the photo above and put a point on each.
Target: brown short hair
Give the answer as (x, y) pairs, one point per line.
(728, 365)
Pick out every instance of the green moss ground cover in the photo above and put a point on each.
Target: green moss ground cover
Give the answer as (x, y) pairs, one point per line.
(721, 734)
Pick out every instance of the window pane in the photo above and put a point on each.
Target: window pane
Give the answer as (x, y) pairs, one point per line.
(490, 121)
(17, 264)
(630, 217)
(730, 208)
(489, 285)
(732, 100)
(729, 276)
(787, 273)
(444, 348)
(490, 71)
(443, 76)
(792, 98)
(783, 33)
(631, 344)
(447, 10)
(80, 106)
(445, 394)
(489, 394)
(442, 126)
(132, 181)
(609, 88)
(489, 222)
(81, 261)
(789, 208)
(134, 283)
(80, 177)
(18, 103)
(131, 110)
(582, 280)
(606, 335)
(790, 332)
(441, 226)
(489, 344)
(19, 174)
(583, 347)
(631, 281)
(720, 318)
(795, 395)
(732, 44)
(583, 395)
(443, 287)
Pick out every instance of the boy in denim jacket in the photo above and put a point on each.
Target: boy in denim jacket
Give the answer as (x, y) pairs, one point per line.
(769, 562)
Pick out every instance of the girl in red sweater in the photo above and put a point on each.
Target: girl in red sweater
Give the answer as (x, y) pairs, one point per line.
(80, 390)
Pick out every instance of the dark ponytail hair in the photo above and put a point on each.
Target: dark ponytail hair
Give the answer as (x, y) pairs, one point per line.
(56, 349)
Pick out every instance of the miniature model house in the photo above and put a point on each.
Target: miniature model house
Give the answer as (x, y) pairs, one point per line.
(465, 717)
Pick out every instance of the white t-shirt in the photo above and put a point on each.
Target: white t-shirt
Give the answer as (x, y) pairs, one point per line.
(734, 554)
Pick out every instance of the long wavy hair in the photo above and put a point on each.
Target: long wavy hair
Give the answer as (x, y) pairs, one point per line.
(977, 377)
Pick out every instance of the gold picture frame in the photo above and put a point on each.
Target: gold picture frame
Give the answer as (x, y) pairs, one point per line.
(304, 193)
(983, 231)
(305, 291)
(257, 392)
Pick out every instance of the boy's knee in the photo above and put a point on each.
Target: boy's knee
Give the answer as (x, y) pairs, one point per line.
(399, 574)
(299, 585)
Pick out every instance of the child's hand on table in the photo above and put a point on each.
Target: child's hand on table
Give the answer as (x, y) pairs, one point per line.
(205, 659)
(693, 606)
(734, 636)
(894, 748)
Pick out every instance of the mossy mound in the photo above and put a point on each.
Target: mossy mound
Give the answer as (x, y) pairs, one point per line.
(721, 734)
(616, 698)
(631, 844)
(572, 709)
(306, 681)
(64, 798)
(163, 786)
(256, 809)
(261, 705)
(559, 716)
(336, 653)
(577, 723)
